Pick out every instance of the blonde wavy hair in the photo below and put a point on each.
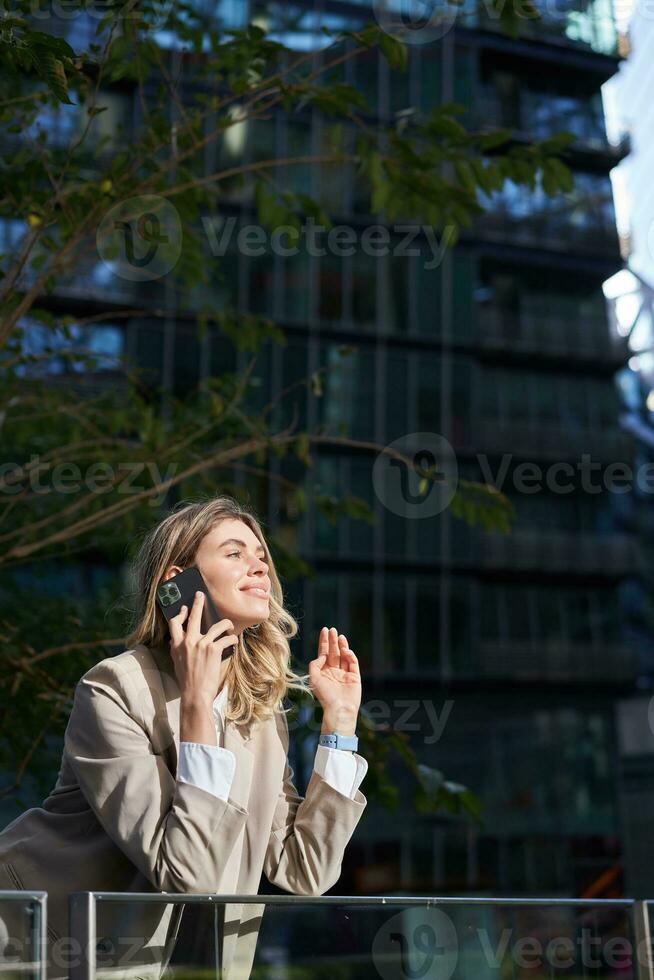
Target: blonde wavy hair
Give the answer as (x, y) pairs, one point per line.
(258, 673)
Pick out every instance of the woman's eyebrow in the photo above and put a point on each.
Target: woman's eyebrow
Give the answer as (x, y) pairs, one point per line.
(238, 541)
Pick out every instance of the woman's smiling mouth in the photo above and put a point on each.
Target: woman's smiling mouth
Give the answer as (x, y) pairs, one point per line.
(256, 590)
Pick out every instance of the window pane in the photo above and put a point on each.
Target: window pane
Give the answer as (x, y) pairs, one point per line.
(463, 271)
(460, 628)
(396, 408)
(294, 371)
(367, 76)
(347, 405)
(149, 351)
(258, 391)
(327, 483)
(360, 534)
(428, 409)
(364, 288)
(394, 613)
(490, 612)
(430, 76)
(428, 286)
(395, 283)
(297, 177)
(186, 365)
(296, 270)
(330, 287)
(428, 624)
(261, 278)
(358, 590)
(325, 602)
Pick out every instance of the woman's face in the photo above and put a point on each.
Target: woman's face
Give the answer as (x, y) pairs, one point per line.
(232, 562)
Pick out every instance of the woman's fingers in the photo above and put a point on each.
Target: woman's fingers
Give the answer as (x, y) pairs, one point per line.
(195, 618)
(217, 629)
(333, 646)
(175, 626)
(334, 658)
(349, 661)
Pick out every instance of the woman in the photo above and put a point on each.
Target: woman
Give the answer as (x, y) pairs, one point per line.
(157, 793)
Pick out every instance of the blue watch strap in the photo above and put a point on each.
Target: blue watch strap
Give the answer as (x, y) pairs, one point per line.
(336, 741)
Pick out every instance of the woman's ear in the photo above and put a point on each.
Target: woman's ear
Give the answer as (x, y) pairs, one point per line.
(171, 571)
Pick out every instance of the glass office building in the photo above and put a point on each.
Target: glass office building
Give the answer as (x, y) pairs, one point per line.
(502, 657)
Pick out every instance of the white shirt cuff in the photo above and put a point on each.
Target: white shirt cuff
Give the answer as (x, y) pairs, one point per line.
(211, 767)
(343, 769)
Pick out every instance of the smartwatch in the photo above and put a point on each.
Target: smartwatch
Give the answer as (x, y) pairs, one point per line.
(336, 741)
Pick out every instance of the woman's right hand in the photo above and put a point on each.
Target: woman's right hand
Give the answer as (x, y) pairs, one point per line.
(197, 656)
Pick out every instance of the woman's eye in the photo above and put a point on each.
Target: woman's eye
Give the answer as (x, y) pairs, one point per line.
(234, 553)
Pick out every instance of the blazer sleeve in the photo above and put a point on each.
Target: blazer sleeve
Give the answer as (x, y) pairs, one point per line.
(309, 834)
(176, 833)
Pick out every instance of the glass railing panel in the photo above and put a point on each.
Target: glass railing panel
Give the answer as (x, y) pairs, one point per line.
(644, 929)
(354, 938)
(23, 931)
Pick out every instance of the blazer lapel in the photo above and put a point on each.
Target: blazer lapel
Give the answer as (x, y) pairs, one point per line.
(237, 738)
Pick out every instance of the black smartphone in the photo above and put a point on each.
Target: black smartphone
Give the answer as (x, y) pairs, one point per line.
(180, 591)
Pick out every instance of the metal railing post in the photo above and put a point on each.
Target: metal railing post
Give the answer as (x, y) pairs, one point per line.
(38, 916)
(40, 936)
(644, 968)
(81, 918)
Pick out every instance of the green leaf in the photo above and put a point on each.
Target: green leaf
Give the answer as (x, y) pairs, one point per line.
(314, 210)
(548, 180)
(497, 137)
(301, 447)
(272, 214)
(51, 42)
(395, 52)
(52, 70)
(465, 173)
(560, 173)
(300, 499)
(440, 124)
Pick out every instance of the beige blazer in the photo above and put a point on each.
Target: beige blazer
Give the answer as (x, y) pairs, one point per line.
(118, 820)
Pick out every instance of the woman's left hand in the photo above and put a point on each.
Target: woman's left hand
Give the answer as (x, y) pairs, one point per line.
(335, 678)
